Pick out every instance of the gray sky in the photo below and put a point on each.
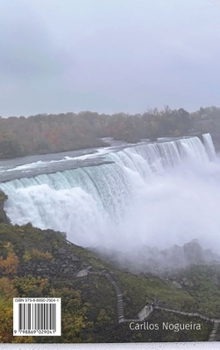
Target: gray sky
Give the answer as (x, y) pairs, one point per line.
(108, 55)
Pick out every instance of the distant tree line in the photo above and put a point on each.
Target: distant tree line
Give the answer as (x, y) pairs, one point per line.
(47, 133)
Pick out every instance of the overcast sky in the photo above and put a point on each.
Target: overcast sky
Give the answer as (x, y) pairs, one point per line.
(108, 55)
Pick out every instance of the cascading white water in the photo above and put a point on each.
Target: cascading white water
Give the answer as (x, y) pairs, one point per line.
(209, 146)
(160, 194)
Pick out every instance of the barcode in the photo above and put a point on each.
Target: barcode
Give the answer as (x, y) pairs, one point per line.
(36, 316)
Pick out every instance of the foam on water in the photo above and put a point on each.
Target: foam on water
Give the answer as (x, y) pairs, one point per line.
(153, 194)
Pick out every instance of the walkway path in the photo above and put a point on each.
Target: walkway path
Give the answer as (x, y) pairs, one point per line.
(212, 336)
(191, 314)
(215, 321)
(120, 305)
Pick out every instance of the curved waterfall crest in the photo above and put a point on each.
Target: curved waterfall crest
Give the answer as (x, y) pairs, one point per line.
(107, 204)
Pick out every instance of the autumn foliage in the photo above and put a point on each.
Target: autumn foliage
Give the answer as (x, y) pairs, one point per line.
(46, 133)
(9, 265)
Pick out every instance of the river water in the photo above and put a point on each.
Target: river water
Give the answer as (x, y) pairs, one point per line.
(121, 197)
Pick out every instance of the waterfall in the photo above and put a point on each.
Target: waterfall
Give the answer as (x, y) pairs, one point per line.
(210, 149)
(149, 158)
(133, 200)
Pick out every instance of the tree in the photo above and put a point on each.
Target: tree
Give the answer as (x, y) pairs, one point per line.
(9, 265)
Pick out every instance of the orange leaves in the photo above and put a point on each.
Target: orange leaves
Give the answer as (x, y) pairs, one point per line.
(10, 264)
(29, 286)
(36, 254)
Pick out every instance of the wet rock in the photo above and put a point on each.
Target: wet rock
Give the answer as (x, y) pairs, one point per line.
(177, 285)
